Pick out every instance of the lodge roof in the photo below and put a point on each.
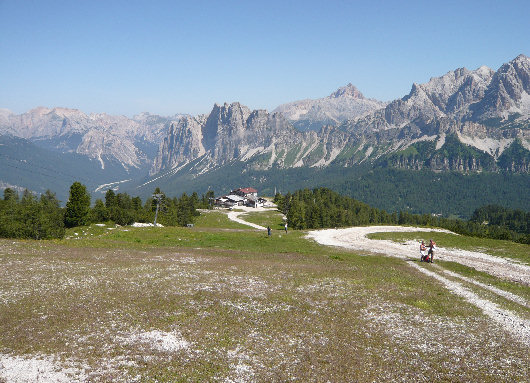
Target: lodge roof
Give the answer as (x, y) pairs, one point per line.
(247, 190)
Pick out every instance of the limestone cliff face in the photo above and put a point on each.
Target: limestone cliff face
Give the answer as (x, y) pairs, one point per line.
(182, 144)
(231, 132)
(447, 97)
(452, 112)
(508, 92)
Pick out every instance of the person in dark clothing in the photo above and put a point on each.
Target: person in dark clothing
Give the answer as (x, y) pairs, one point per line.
(269, 231)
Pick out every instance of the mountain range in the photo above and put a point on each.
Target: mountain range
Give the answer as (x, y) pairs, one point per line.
(466, 121)
(344, 104)
(481, 112)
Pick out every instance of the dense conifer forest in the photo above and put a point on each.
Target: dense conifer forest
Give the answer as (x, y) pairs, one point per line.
(324, 208)
(394, 190)
(29, 216)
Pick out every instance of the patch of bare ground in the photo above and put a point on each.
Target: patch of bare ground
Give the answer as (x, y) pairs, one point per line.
(167, 314)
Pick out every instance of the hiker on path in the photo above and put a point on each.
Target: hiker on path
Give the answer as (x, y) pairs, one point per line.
(285, 227)
(431, 247)
(423, 250)
(269, 231)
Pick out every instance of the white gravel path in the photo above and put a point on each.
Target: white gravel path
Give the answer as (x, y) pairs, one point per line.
(505, 294)
(234, 215)
(355, 238)
(518, 327)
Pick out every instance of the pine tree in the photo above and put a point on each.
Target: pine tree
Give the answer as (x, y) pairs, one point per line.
(110, 199)
(136, 203)
(296, 215)
(51, 217)
(78, 206)
(10, 195)
(99, 212)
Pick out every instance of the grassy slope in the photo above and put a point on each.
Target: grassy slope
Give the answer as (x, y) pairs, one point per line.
(265, 309)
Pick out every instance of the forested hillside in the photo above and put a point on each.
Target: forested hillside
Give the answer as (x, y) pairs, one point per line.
(324, 208)
(420, 192)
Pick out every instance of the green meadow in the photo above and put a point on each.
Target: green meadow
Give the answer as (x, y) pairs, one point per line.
(223, 302)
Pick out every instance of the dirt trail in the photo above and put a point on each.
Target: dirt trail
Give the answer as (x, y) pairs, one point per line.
(234, 215)
(355, 238)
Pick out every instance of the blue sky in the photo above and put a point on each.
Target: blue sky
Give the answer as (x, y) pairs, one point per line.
(167, 57)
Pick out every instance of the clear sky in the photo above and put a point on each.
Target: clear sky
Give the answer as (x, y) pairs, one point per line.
(167, 57)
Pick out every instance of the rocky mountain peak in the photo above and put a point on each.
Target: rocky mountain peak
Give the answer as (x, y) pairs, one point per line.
(39, 111)
(521, 58)
(223, 121)
(67, 112)
(508, 92)
(484, 72)
(344, 104)
(347, 91)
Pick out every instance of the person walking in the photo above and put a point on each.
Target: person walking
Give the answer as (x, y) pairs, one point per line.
(285, 227)
(431, 246)
(269, 231)
(423, 251)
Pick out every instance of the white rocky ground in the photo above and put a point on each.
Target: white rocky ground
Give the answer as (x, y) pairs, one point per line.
(20, 369)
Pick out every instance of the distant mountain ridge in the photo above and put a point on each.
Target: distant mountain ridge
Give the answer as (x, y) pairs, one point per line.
(131, 142)
(446, 123)
(345, 103)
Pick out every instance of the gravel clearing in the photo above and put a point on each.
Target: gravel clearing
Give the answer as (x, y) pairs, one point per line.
(17, 369)
(355, 238)
(158, 340)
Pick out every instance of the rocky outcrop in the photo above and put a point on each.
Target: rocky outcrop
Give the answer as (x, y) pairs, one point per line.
(232, 132)
(182, 143)
(447, 97)
(508, 92)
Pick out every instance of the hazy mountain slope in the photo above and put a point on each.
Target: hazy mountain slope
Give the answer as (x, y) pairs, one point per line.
(345, 103)
(26, 165)
(131, 142)
(423, 191)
